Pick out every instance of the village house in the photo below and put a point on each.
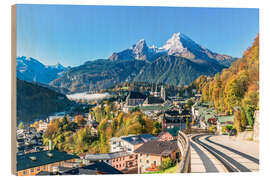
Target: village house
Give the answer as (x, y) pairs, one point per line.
(129, 143)
(175, 118)
(170, 134)
(201, 113)
(42, 126)
(96, 168)
(123, 161)
(152, 153)
(33, 163)
(29, 140)
(223, 121)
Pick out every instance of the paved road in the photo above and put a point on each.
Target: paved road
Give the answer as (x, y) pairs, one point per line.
(203, 161)
(238, 153)
(251, 158)
(229, 158)
(245, 146)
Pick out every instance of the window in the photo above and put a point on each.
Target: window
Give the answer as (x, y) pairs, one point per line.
(147, 161)
(24, 172)
(38, 168)
(32, 170)
(147, 155)
(140, 160)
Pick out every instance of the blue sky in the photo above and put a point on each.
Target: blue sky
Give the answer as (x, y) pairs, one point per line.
(72, 35)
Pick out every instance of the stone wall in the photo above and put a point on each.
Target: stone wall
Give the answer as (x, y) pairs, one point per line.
(256, 126)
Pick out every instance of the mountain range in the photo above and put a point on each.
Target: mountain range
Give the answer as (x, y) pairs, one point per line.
(32, 70)
(178, 45)
(179, 62)
(98, 74)
(176, 70)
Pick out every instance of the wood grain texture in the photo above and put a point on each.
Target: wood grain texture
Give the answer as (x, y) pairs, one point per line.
(13, 89)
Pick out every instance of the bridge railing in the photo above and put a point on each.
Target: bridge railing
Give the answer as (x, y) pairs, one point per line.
(184, 146)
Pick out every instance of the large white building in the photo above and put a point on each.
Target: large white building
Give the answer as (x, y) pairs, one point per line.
(129, 143)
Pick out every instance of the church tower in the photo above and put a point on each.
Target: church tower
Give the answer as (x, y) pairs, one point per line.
(163, 93)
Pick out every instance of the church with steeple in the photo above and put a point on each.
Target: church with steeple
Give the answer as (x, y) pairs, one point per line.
(156, 97)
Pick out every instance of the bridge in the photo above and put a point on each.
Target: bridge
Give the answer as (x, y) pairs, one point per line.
(205, 152)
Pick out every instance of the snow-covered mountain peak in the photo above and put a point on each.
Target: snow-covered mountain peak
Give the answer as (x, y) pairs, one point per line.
(178, 45)
(140, 50)
(141, 44)
(174, 44)
(57, 66)
(30, 69)
(141, 41)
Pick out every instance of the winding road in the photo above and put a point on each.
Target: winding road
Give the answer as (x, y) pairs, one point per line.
(208, 155)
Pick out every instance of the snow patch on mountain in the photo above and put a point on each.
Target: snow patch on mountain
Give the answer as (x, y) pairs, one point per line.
(30, 69)
(173, 44)
(178, 45)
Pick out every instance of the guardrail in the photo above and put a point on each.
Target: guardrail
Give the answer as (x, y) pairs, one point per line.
(184, 146)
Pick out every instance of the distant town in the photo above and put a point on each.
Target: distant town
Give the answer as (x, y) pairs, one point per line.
(127, 154)
(139, 151)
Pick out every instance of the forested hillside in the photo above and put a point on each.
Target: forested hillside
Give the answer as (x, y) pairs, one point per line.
(236, 89)
(98, 74)
(111, 124)
(175, 70)
(35, 101)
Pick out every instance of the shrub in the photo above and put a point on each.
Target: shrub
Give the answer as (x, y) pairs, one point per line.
(166, 163)
(212, 128)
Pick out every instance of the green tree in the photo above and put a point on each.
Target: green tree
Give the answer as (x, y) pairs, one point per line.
(166, 163)
(237, 120)
(243, 118)
(135, 109)
(250, 105)
(157, 128)
(235, 90)
(189, 104)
